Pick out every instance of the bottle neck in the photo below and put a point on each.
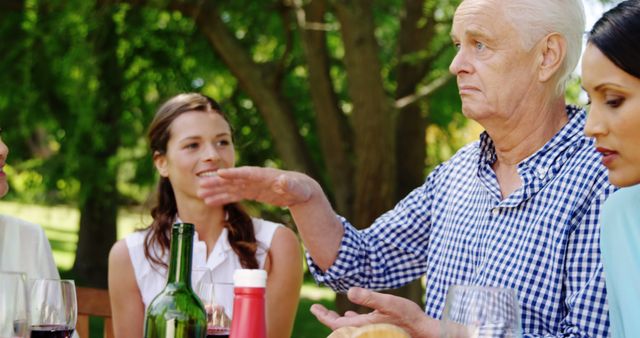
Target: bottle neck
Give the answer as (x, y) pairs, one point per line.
(181, 254)
(254, 292)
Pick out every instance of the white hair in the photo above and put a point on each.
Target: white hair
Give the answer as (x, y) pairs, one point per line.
(534, 19)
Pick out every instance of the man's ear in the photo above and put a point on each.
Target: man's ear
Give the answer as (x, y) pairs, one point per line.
(160, 162)
(553, 52)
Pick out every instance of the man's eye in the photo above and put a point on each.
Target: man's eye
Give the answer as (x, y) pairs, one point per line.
(456, 45)
(480, 46)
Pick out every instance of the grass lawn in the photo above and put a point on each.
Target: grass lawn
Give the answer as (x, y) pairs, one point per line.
(61, 226)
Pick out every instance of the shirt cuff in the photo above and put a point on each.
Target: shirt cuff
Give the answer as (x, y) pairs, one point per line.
(342, 274)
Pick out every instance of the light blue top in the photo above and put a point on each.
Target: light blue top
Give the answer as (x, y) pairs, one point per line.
(620, 242)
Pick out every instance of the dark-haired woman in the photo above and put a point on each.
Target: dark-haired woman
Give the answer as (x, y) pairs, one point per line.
(190, 138)
(611, 77)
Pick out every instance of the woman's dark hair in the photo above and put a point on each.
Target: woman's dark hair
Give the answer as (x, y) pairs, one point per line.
(617, 36)
(238, 223)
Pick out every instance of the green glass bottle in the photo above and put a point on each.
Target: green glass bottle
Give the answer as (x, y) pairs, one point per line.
(177, 312)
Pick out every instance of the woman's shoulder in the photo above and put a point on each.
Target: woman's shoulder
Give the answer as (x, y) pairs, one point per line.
(264, 230)
(135, 238)
(285, 236)
(282, 243)
(625, 194)
(134, 243)
(125, 249)
(260, 223)
(621, 216)
(623, 200)
(119, 252)
(271, 234)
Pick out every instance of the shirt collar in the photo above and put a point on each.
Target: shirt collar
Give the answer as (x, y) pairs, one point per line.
(566, 137)
(219, 253)
(540, 167)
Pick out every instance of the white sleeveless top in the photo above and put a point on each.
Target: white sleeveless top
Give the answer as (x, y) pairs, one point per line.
(222, 262)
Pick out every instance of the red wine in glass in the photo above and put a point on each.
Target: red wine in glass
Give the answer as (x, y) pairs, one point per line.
(217, 332)
(51, 331)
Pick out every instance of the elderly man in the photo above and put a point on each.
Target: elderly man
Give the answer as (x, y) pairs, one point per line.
(519, 208)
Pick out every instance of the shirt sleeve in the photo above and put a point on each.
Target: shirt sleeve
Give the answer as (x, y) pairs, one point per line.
(585, 299)
(388, 254)
(46, 266)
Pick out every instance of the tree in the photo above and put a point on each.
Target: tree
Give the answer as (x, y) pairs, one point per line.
(380, 124)
(78, 100)
(342, 90)
(100, 140)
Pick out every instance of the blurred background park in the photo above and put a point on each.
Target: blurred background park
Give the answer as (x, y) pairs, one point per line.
(355, 93)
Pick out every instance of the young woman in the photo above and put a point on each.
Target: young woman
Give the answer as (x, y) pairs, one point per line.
(190, 138)
(611, 77)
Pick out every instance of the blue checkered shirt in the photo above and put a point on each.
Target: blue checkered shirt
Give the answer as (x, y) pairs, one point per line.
(542, 239)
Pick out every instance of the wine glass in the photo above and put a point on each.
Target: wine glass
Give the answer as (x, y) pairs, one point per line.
(481, 312)
(13, 305)
(53, 308)
(212, 295)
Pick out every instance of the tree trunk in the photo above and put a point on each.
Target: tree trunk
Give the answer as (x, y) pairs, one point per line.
(100, 141)
(333, 127)
(417, 30)
(97, 231)
(416, 33)
(373, 121)
(258, 83)
(373, 114)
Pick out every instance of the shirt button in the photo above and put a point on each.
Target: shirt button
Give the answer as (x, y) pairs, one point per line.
(495, 211)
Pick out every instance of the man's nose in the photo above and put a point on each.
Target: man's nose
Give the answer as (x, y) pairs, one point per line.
(459, 63)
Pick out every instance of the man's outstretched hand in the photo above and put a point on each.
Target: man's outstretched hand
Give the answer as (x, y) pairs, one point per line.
(266, 185)
(387, 309)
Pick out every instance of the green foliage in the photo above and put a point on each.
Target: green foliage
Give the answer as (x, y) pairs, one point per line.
(77, 94)
(48, 102)
(52, 91)
(306, 324)
(574, 93)
(25, 185)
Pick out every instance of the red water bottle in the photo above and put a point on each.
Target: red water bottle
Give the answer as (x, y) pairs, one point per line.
(248, 320)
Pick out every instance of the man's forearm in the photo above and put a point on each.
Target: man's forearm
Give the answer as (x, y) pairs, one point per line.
(319, 228)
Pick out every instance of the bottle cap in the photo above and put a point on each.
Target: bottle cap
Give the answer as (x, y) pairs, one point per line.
(250, 278)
